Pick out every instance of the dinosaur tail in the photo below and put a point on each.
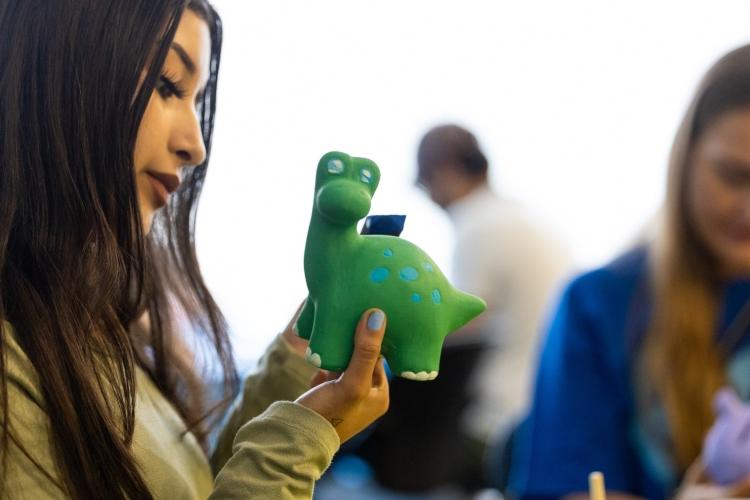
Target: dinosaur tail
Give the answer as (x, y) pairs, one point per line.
(468, 307)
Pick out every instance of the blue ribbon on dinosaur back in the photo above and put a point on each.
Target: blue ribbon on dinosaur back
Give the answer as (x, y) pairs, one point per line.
(348, 273)
(384, 224)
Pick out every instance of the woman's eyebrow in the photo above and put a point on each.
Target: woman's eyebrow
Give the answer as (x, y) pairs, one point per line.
(186, 60)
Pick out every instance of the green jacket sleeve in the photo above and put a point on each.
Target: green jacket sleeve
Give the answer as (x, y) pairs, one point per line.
(279, 454)
(282, 375)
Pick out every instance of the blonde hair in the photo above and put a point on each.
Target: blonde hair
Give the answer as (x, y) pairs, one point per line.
(681, 359)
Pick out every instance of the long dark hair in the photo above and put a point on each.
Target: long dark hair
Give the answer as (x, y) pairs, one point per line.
(88, 295)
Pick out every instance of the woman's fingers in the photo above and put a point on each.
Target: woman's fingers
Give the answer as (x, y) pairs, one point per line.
(368, 338)
(299, 345)
(323, 376)
(741, 489)
(354, 399)
(319, 378)
(379, 377)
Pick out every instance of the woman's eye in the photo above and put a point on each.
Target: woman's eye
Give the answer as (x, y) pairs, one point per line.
(734, 177)
(168, 88)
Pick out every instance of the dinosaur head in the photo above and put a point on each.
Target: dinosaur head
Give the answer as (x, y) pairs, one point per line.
(344, 187)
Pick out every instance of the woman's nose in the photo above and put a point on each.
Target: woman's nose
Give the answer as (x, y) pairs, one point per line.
(187, 141)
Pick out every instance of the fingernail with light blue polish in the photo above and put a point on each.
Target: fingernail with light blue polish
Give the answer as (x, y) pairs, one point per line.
(375, 320)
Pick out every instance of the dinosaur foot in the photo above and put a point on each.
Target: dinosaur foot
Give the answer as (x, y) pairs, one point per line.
(421, 376)
(313, 357)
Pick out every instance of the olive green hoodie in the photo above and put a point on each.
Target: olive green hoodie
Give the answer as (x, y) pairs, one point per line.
(269, 447)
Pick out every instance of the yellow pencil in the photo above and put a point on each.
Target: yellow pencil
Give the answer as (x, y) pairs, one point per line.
(596, 486)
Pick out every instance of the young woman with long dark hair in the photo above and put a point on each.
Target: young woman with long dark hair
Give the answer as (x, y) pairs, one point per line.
(106, 118)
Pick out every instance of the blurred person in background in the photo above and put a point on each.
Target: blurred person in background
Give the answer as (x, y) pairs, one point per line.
(639, 348)
(107, 329)
(435, 434)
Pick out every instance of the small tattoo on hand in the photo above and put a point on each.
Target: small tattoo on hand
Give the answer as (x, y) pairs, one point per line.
(336, 421)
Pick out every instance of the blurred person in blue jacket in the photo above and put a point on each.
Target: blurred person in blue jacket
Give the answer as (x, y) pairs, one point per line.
(638, 349)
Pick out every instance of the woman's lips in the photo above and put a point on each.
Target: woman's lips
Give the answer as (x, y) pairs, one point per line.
(162, 185)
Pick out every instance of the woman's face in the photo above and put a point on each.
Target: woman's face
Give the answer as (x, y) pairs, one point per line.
(169, 137)
(719, 190)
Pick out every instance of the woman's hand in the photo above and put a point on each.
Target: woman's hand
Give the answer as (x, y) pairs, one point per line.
(740, 490)
(297, 343)
(354, 399)
(697, 486)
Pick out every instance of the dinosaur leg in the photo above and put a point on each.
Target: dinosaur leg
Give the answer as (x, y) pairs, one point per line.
(419, 361)
(331, 342)
(305, 320)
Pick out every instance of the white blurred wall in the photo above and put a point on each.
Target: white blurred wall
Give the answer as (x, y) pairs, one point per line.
(575, 103)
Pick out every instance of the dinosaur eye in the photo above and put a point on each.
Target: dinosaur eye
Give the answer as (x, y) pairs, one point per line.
(335, 166)
(365, 176)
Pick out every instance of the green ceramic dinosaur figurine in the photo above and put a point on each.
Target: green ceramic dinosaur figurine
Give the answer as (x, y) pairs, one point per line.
(348, 273)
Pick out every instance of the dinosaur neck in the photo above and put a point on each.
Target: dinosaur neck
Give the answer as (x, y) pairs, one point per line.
(326, 245)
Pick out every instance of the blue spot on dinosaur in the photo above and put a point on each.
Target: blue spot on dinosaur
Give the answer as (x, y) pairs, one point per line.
(388, 253)
(379, 275)
(436, 298)
(428, 267)
(409, 274)
(416, 297)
